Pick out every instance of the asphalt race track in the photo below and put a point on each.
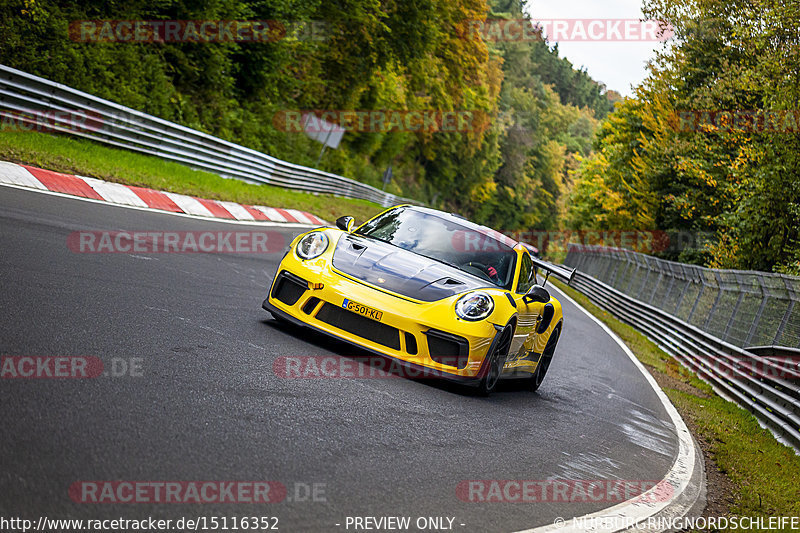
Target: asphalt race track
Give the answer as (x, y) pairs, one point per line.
(207, 404)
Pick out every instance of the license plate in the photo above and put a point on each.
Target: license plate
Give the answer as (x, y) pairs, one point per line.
(362, 310)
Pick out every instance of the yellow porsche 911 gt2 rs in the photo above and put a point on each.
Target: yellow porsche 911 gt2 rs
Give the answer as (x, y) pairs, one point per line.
(426, 288)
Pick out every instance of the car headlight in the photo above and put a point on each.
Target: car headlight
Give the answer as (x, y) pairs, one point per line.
(474, 306)
(312, 245)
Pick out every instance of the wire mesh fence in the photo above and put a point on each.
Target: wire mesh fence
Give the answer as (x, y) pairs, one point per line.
(743, 308)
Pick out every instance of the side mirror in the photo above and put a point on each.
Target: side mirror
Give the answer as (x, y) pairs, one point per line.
(537, 294)
(345, 223)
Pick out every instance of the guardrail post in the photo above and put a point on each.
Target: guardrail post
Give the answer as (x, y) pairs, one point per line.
(784, 321)
(655, 287)
(669, 289)
(697, 299)
(761, 307)
(733, 316)
(615, 264)
(686, 282)
(646, 276)
(633, 275)
(716, 301)
(628, 268)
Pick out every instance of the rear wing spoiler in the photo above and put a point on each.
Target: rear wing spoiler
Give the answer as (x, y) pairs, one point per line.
(560, 271)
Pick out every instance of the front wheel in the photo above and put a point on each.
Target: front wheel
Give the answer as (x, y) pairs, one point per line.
(544, 363)
(497, 359)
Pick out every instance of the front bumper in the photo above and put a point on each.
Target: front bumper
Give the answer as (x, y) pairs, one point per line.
(407, 330)
(416, 370)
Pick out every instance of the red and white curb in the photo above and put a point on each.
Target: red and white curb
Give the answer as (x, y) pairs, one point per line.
(140, 197)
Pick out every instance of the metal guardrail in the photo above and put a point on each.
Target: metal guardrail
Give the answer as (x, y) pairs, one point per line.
(767, 387)
(25, 97)
(744, 308)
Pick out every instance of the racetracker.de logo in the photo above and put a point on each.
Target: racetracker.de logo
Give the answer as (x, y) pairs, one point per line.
(176, 242)
(50, 367)
(50, 121)
(736, 121)
(336, 367)
(177, 492)
(563, 491)
(563, 30)
(381, 121)
(646, 241)
(65, 367)
(195, 31)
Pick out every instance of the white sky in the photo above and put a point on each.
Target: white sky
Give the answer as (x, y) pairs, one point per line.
(619, 65)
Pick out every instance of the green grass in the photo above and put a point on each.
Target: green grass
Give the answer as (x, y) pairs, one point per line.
(86, 158)
(763, 472)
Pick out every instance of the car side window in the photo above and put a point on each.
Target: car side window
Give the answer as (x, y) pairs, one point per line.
(527, 277)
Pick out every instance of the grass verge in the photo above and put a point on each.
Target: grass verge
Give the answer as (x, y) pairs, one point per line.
(86, 158)
(760, 474)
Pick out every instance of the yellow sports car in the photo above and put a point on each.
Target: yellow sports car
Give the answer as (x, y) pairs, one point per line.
(428, 289)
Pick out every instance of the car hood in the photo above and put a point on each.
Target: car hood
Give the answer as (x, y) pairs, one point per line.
(401, 271)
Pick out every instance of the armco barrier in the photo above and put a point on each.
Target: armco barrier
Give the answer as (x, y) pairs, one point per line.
(744, 308)
(768, 388)
(25, 97)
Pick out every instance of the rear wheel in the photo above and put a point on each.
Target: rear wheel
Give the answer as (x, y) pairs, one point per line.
(497, 358)
(547, 358)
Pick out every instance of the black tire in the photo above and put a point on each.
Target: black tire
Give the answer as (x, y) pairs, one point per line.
(497, 358)
(547, 357)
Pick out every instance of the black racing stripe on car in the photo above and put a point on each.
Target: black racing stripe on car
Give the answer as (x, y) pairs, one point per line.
(401, 271)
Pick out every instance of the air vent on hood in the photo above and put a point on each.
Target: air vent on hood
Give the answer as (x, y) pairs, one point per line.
(401, 271)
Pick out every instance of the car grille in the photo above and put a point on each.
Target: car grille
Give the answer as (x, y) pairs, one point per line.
(358, 325)
(289, 288)
(411, 343)
(310, 305)
(448, 349)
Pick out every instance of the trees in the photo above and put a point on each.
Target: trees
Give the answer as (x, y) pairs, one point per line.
(536, 114)
(737, 180)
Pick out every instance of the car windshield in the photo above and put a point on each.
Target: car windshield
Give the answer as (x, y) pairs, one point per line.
(445, 240)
